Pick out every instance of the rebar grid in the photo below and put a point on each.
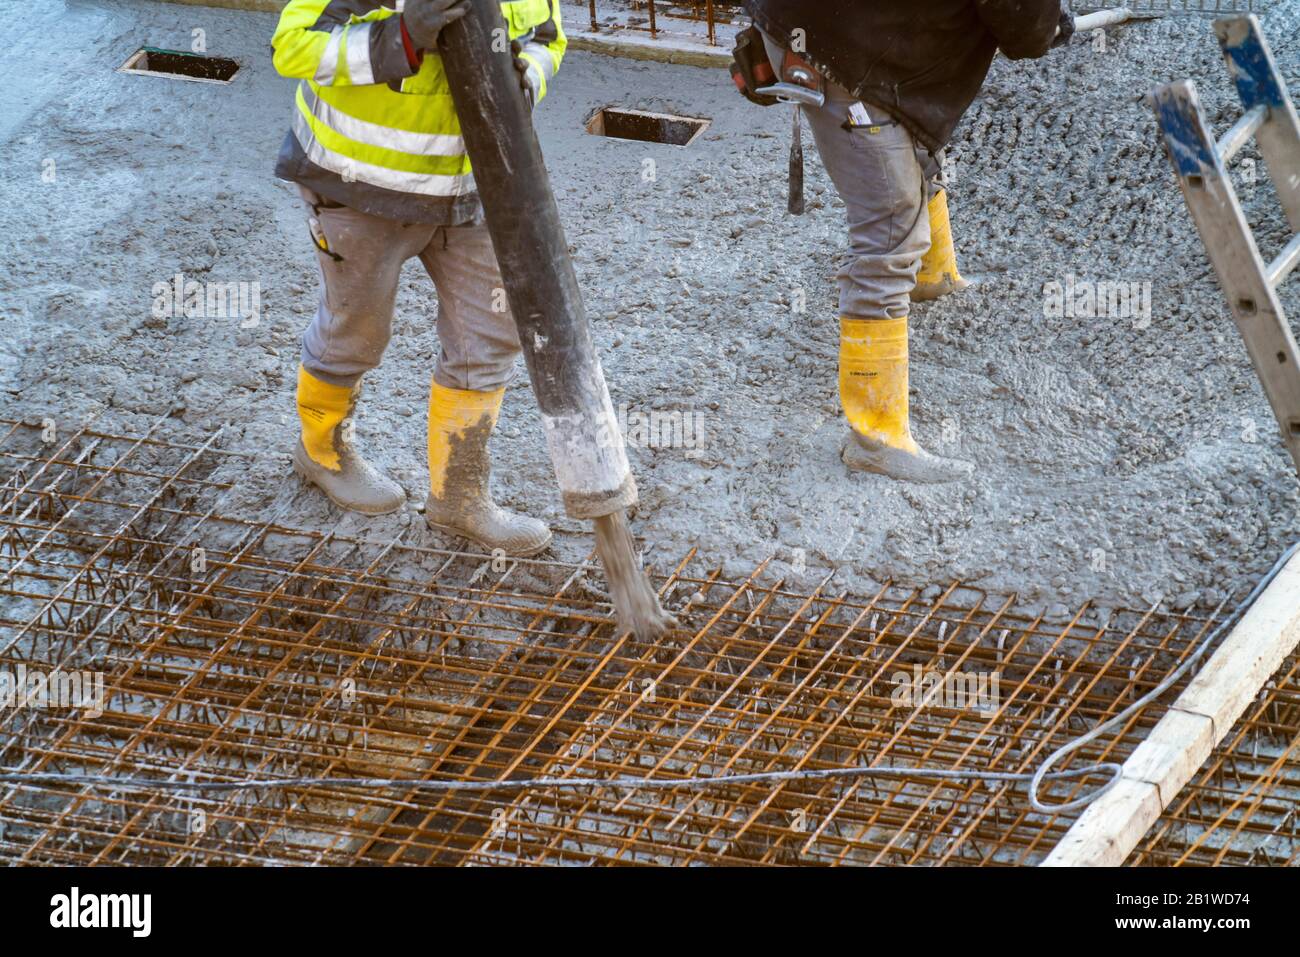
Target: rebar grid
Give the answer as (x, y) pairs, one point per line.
(234, 649)
(644, 15)
(649, 16)
(1243, 806)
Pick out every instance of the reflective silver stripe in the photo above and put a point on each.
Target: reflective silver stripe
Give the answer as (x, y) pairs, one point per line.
(424, 184)
(329, 61)
(544, 56)
(373, 134)
(357, 43)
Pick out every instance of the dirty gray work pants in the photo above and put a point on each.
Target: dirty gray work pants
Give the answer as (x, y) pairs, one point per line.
(879, 175)
(360, 270)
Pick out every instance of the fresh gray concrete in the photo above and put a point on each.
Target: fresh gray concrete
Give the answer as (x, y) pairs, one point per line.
(1119, 458)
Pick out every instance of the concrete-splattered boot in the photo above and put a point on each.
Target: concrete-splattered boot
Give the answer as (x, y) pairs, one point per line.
(460, 424)
(938, 275)
(873, 391)
(324, 457)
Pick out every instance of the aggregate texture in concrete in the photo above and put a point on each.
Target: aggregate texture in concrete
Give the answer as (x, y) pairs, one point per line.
(1121, 458)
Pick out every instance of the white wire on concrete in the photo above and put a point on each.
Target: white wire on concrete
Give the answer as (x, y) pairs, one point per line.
(1169, 679)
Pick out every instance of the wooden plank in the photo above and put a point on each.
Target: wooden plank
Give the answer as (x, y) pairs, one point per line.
(1174, 754)
(1109, 828)
(1248, 658)
(636, 47)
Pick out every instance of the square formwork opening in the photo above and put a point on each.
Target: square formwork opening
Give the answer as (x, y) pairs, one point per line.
(179, 65)
(645, 127)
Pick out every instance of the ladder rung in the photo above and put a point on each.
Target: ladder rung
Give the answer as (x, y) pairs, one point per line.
(1286, 260)
(1241, 132)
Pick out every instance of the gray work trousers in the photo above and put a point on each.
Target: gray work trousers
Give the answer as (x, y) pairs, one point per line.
(878, 172)
(361, 258)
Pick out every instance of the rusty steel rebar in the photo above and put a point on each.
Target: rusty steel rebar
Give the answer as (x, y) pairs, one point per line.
(240, 648)
(708, 12)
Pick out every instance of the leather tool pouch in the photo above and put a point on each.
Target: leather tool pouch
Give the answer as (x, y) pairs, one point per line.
(750, 67)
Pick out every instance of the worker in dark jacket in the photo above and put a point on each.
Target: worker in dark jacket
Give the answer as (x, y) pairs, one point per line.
(897, 75)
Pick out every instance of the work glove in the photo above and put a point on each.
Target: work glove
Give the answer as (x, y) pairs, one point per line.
(424, 19)
(1065, 29)
(529, 79)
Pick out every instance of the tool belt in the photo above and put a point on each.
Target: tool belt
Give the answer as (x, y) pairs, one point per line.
(798, 81)
(797, 74)
(750, 67)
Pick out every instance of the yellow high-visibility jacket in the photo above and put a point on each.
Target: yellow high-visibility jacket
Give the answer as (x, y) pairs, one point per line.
(373, 131)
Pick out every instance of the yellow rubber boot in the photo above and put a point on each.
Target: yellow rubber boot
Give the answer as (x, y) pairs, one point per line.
(873, 391)
(322, 407)
(938, 275)
(460, 423)
(325, 458)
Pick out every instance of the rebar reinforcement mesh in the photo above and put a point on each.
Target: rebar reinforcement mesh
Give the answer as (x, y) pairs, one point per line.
(652, 16)
(701, 19)
(232, 648)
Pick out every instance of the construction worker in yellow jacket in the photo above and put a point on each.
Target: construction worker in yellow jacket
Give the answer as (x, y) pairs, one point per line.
(376, 151)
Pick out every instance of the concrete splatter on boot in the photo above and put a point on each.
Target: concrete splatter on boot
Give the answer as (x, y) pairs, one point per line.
(938, 275)
(459, 503)
(905, 465)
(873, 391)
(324, 457)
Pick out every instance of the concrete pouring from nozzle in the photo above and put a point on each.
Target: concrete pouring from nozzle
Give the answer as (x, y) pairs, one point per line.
(582, 436)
